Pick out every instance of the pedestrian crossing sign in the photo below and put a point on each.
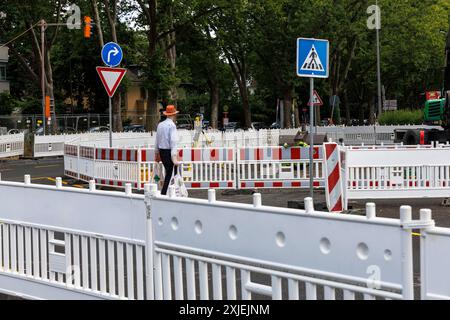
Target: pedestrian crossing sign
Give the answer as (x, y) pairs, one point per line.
(312, 58)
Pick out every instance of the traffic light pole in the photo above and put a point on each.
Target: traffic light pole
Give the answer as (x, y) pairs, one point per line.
(43, 27)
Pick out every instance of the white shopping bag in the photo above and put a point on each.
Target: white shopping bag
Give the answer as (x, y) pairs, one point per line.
(178, 183)
(158, 175)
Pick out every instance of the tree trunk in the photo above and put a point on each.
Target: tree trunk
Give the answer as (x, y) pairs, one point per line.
(171, 56)
(117, 113)
(214, 92)
(371, 112)
(245, 105)
(287, 107)
(153, 115)
(347, 108)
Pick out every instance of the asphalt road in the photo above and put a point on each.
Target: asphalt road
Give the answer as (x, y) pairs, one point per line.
(44, 171)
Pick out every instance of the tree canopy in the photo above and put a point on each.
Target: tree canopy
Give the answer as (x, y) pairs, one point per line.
(237, 56)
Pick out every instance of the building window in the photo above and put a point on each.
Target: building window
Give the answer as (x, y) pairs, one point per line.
(2, 73)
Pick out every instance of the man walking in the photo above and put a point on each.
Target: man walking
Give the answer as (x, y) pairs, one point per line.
(166, 144)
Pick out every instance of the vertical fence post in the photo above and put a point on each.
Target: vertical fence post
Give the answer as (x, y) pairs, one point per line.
(78, 160)
(139, 170)
(150, 191)
(236, 153)
(309, 206)
(407, 254)
(425, 216)
(94, 167)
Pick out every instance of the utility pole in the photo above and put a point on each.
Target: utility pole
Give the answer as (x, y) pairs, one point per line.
(43, 27)
(378, 27)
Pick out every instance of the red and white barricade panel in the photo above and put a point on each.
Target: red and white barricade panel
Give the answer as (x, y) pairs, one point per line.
(207, 168)
(278, 167)
(117, 167)
(334, 191)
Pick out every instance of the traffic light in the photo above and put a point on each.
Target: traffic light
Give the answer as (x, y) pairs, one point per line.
(87, 27)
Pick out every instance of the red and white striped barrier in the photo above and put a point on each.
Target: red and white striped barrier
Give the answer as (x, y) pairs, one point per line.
(333, 184)
(278, 167)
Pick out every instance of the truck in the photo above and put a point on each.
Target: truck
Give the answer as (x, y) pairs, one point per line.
(436, 111)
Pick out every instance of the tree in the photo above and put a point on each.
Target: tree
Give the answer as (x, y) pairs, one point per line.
(27, 16)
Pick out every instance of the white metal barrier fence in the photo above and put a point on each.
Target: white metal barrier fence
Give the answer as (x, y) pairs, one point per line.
(89, 244)
(202, 168)
(53, 145)
(278, 167)
(11, 145)
(398, 172)
(71, 244)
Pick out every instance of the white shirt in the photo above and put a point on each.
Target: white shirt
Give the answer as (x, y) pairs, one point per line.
(166, 136)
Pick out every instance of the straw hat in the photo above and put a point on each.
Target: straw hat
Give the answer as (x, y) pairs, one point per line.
(170, 110)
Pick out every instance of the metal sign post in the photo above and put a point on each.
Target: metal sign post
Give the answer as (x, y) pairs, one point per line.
(112, 56)
(311, 139)
(312, 62)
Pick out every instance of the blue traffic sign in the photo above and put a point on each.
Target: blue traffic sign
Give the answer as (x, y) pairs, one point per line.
(312, 58)
(112, 54)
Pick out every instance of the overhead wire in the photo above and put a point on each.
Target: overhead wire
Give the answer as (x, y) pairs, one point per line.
(17, 37)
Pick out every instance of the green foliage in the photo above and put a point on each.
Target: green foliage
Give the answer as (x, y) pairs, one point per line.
(258, 36)
(401, 117)
(7, 103)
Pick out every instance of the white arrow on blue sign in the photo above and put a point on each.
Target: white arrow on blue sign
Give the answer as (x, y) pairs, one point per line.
(112, 54)
(312, 58)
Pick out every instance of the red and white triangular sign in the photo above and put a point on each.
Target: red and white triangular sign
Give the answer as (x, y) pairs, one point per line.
(317, 100)
(111, 78)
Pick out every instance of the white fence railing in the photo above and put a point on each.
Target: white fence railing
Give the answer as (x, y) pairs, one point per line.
(53, 249)
(11, 145)
(53, 145)
(89, 244)
(371, 172)
(202, 168)
(398, 172)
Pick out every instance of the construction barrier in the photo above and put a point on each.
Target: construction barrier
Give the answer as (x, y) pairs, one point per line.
(398, 172)
(137, 247)
(11, 145)
(201, 168)
(278, 167)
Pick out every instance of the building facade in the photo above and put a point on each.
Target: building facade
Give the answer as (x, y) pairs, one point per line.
(4, 57)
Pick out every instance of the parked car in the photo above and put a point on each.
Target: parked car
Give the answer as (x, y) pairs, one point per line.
(259, 126)
(134, 128)
(14, 131)
(275, 125)
(98, 129)
(184, 126)
(232, 126)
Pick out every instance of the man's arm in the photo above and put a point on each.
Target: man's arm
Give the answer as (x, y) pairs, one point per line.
(157, 155)
(174, 145)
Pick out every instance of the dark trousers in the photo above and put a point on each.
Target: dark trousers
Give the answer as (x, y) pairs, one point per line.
(166, 159)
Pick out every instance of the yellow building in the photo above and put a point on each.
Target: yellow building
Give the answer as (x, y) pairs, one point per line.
(135, 101)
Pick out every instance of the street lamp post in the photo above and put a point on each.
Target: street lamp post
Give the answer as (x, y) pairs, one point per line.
(378, 27)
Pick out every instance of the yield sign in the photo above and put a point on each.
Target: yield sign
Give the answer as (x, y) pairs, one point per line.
(111, 78)
(317, 100)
